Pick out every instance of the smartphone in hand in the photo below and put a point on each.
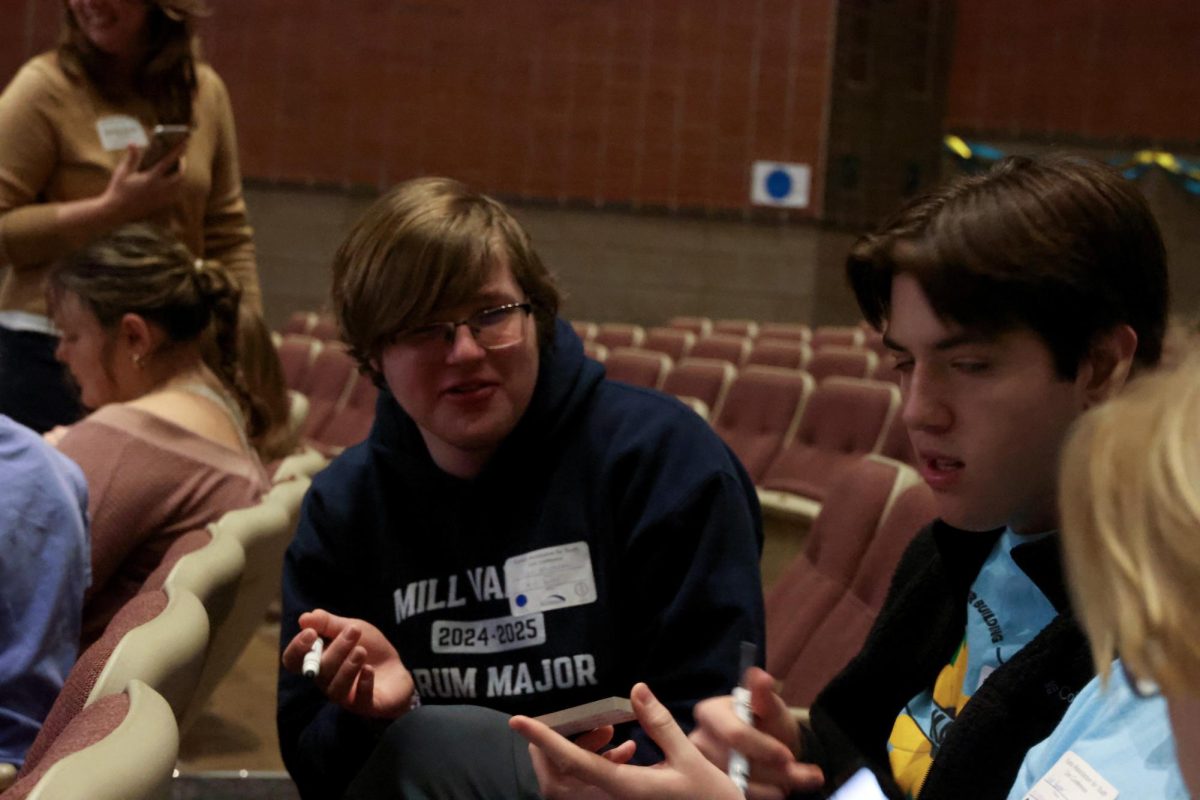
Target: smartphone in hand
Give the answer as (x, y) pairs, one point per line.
(163, 139)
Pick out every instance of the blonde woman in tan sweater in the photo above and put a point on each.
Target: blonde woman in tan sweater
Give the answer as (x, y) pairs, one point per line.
(167, 449)
(74, 123)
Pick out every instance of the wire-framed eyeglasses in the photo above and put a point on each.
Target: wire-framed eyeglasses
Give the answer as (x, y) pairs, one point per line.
(492, 329)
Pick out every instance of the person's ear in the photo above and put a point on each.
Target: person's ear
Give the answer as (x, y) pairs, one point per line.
(1106, 367)
(135, 333)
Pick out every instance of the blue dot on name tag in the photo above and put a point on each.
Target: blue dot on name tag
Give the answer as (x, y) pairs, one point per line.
(779, 184)
(522, 600)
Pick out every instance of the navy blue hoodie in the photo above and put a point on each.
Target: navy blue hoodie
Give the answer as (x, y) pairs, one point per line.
(627, 478)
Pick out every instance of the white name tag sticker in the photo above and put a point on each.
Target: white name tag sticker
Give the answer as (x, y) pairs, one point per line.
(1072, 778)
(488, 635)
(119, 131)
(550, 578)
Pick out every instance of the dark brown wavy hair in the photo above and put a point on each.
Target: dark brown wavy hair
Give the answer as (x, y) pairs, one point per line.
(167, 75)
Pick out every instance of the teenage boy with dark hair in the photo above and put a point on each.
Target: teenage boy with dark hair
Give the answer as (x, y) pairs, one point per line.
(1012, 301)
(516, 533)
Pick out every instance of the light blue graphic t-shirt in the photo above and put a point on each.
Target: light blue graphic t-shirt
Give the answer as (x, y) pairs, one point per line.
(1109, 739)
(1005, 611)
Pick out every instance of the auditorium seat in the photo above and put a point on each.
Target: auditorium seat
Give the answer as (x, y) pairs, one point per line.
(787, 353)
(157, 637)
(793, 331)
(844, 419)
(584, 330)
(675, 342)
(704, 380)
(296, 355)
(638, 367)
(594, 351)
(263, 531)
(847, 362)
(760, 412)
(350, 422)
(327, 386)
(121, 747)
(723, 346)
(619, 334)
(837, 336)
(701, 326)
(737, 327)
(300, 322)
(820, 610)
(325, 328)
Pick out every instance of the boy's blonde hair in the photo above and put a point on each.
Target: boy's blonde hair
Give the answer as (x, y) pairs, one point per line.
(1129, 497)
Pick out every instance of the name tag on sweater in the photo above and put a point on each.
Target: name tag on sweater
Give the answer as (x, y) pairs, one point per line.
(118, 131)
(1072, 778)
(550, 578)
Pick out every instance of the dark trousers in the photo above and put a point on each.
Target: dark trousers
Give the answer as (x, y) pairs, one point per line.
(35, 390)
(439, 752)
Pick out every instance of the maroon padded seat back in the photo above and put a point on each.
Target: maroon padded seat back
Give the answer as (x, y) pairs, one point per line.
(299, 322)
(674, 342)
(329, 381)
(296, 355)
(822, 573)
(845, 362)
(619, 334)
(595, 351)
(325, 329)
(701, 326)
(758, 413)
(189, 542)
(82, 677)
(844, 627)
(837, 336)
(705, 379)
(737, 327)
(86, 728)
(637, 367)
(785, 330)
(723, 346)
(352, 422)
(843, 420)
(780, 353)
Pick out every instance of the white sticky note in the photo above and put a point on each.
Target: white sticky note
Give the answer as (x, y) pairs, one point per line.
(1072, 778)
(550, 578)
(118, 131)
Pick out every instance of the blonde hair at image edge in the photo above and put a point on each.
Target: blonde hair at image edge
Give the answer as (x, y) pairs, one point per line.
(1129, 496)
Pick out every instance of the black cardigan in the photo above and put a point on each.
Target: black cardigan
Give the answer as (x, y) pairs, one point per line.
(922, 621)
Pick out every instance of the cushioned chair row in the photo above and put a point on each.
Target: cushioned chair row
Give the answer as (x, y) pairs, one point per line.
(794, 434)
(341, 401)
(173, 641)
(620, 334)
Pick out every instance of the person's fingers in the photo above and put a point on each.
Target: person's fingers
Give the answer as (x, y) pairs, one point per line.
(622, 753)
(595, 739)
(132, 155)
(659, 725)
(764, 791)
(342, 682)
(364, 692)
(335, 655)
(293, 654)
(805, 777)
(722, 730)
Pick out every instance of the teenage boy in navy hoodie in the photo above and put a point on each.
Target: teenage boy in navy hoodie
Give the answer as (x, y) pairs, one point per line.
(517, 534)
(1011, 301)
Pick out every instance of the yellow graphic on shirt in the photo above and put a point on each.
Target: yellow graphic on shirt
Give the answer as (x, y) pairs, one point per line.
(912, 748)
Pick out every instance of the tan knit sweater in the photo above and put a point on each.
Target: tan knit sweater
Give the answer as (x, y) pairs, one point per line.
(50, 152)
(149, 482)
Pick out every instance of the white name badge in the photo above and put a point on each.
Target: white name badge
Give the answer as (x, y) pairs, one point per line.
(550, 578)
(119, 131)
(488, 635)
(1072, 778)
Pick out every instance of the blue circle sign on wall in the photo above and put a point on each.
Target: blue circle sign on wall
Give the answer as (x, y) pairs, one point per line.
(779, 184)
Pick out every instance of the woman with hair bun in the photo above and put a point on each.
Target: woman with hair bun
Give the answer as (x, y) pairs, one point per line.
(167, 448)
(76, 124)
